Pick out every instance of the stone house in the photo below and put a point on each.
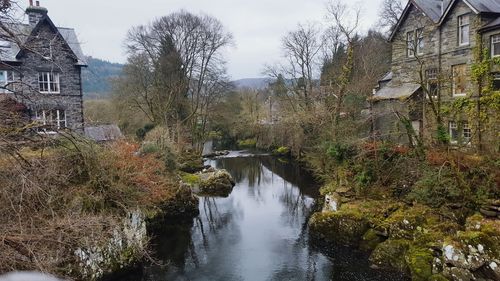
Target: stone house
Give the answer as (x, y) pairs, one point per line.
(433, 48)
(40, 67)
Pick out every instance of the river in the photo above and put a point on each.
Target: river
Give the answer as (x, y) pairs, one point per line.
(258, 233)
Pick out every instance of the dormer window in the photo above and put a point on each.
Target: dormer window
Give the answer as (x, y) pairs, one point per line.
(48, 82)
(495, 46)
(464, 30)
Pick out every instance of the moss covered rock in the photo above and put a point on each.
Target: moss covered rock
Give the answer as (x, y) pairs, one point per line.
(391, 255)
(370, 240)
(190, 162)
(183, 204)
(217, 183)
(343, 227)
(419, 261)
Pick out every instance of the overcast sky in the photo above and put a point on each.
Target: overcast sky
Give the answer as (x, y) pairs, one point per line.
(257, 25)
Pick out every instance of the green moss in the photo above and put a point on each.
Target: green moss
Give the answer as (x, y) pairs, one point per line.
(342, 227)
(248, 143)
(438, 277)
(191, 179)
(190, 162)
(282, 151)
(391, 255)
(219, 184)
(370, 240)
(419, 261)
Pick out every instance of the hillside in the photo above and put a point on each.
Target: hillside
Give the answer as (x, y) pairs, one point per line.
(252, 83)
(96, 77)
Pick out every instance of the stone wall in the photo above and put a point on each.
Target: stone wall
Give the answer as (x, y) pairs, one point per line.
(45, 42)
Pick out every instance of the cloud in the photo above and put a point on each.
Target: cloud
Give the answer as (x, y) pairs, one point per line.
(257, 25)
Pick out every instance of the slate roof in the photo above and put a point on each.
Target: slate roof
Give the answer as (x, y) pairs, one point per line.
(432, 8)
(492, 25)
(104, 133)
(8, 52)
(485, 6)
(392, 92)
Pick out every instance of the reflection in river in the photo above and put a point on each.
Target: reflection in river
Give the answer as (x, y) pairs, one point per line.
(258, 233)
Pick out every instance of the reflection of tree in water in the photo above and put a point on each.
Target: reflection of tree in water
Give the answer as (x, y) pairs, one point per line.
(242, 168)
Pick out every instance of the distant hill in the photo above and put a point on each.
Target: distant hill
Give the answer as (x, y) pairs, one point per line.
(252, 83)
(96, 77)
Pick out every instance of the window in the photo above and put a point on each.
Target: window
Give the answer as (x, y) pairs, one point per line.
(420, 41)
(432, 82)
(410, 44)
(55, 119)
(467, 132)
(495, 45)
(496, 82)
(48, 82)
(463, 30)
(8, 81)
(453, 131)
(459, 79)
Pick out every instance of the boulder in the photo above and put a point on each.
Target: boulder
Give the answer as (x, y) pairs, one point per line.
(342, 227)
(332, 202)
(216, 183)
(391, 255)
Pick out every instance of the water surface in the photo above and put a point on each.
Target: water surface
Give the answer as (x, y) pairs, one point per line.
(258, 233)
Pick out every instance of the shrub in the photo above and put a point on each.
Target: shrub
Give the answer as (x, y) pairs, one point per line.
(142, 132)
(282, 151)
(149, 148)
(340, 152)
(248, 143)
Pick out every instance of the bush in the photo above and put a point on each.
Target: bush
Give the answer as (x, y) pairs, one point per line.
(149, 148)
(282, 151)
(142, 132)
(340, 152)
(248, 143)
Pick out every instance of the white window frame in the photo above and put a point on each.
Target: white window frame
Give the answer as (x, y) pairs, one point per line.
(41, 116)
(495, 39)
(462, 25)
(8, 82)
(466, 132)
(410, 44)
(52, 79)
(432, 78)
(454, 93)
(419, 33)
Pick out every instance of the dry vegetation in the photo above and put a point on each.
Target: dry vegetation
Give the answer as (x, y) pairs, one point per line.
(74, 194)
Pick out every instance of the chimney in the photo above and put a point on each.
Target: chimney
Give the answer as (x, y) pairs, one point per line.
(35, 13)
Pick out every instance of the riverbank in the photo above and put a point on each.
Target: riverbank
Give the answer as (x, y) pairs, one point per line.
(433, 218)
(258, 232)
(81, 210)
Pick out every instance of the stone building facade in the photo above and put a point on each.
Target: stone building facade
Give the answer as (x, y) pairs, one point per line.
(433, 48)
(41, 68)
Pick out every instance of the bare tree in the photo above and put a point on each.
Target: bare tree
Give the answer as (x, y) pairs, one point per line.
(198, 42)
(390, 12)
(301, 49)
(345, 21)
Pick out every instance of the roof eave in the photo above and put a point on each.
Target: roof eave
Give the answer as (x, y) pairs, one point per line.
(400, 21)
(450, 6)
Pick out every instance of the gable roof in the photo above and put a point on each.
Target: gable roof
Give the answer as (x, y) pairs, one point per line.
(433, 9)
(11, 51)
